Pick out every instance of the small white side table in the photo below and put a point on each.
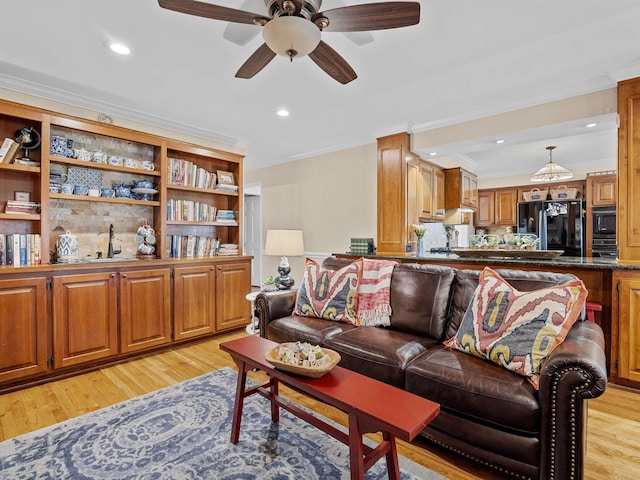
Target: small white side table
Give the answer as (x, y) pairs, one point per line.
(254, 328)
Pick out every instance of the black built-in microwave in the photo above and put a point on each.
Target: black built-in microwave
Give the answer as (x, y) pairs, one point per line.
(604, 222)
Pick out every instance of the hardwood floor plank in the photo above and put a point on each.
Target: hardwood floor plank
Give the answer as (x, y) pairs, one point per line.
(613, 427)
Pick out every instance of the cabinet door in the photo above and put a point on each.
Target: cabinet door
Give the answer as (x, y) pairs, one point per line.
(603, 191)
(629, 328)
(426, 192)
(23, 327)
(438, 194)
(506, 206)
(233, 283)
(485, 216)
(194, 290)
(145, 309)
(85, 318)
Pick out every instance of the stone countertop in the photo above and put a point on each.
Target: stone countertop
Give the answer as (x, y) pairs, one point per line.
(595, 263)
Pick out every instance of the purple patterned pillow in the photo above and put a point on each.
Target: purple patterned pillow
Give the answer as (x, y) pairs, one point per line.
(514, 329)
(329, 294)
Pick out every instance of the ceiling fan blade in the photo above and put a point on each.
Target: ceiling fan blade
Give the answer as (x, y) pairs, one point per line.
(241, 34)
(256, 62)
(372, 16)
(332, 63)
(207, 10)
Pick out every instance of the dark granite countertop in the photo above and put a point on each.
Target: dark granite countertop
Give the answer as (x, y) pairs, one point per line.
(596, 263)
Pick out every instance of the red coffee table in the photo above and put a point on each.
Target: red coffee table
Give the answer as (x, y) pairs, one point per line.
(372, 406)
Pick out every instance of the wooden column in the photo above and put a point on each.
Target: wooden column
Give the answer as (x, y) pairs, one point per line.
(393, 234)
(629, 171)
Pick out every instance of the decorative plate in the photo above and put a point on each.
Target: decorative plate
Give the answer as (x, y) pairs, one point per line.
(313, 372)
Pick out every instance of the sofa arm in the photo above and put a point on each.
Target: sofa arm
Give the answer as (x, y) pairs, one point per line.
(272, 306)
(574, 372)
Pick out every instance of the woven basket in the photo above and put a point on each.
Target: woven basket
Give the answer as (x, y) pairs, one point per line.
(313, 372)
(564, 193)
(535, 194)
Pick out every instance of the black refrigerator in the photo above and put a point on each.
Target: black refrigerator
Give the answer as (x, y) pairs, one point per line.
(559, 224)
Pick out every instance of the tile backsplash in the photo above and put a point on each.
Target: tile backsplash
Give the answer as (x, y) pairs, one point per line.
(90, 221)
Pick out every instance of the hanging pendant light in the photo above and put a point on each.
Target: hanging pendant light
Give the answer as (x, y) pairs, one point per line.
(551, 172)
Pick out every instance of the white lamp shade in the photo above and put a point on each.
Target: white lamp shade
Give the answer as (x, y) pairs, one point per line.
(286, 34)
(551, 172)
(284, 243)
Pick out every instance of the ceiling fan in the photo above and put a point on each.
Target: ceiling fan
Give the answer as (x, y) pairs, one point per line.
(293, 28)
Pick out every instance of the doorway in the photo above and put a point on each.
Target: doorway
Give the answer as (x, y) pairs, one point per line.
(253, 231)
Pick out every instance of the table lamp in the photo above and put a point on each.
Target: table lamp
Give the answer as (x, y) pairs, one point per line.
(283, 243)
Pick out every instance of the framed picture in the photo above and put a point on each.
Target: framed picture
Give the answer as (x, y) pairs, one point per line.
(225, 178)
(22, 196)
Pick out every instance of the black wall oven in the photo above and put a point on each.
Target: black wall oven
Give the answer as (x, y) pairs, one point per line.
(604, 232)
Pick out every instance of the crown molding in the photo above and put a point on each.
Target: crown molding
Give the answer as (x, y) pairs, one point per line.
(44, 86)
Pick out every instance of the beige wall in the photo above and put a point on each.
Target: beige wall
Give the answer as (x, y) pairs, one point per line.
(331, 198)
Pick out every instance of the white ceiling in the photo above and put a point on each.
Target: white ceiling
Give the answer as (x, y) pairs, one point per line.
(465, 59)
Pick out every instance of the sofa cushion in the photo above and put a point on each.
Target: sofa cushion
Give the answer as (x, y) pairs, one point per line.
(379, 353)
(466, 281)
(329, 294)
(419, 299)
(304, 329)
(476, 389)
(514, 329)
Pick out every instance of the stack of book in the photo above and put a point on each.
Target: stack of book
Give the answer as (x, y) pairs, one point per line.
(179, 246)
(228, 250)
(190, 211)
(16, 206)
(188, 174)
(226, 216)
(228, 188)
(8, 150)
(20, 249)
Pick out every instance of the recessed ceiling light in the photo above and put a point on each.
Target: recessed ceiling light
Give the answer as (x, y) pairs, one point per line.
(283, 112)
(433, 154)
(500, 141)
(119, 48)
(591, 125)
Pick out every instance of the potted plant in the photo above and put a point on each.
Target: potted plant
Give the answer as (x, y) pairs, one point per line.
(269, 285)
(419, 230)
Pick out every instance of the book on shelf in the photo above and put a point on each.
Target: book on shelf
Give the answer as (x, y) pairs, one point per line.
(228, 250)
(188, 174)
(20, 249)
(179, 246)
(8, 150)
(226, 216)
(17, 206)
(229, 188)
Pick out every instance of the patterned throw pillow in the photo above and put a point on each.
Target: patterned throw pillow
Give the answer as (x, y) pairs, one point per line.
(517, 330)
(329, 294)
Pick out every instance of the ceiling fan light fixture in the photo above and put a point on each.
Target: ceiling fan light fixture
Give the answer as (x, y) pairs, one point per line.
(551, 172)
(291, 36)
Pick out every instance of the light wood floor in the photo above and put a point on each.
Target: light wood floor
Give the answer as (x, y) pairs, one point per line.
(613, 444)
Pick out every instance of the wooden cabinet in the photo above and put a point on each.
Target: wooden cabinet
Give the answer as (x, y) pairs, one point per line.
(626, 320)
(486, 214)
(427, 210)
(233, 282)
(194, 301)
(506, 206)
(24, 330)
(438, 194)
(497, 207)
(601, 190)
(461, 189)
(85, 318)
(145, 309)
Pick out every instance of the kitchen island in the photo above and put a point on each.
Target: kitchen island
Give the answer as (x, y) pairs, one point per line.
(611, 283)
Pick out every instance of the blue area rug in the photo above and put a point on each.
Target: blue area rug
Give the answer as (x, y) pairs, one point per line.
(182, 432)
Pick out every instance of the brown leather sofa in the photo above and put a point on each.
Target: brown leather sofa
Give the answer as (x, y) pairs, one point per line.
(488, 414)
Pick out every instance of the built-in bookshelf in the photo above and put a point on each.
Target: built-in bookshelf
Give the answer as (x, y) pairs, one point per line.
(183, 204)
(203, 200)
